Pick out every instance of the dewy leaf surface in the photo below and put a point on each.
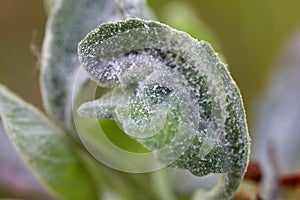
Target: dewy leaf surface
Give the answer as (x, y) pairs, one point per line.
(45, 149)
(67, 24)
(178, 100)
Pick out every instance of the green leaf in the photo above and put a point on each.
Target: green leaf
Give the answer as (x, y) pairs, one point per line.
(46, 150)
(69, 21)
(179, 100)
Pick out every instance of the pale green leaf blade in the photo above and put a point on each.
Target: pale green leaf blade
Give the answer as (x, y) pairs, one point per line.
(69, 21)
(46, 150)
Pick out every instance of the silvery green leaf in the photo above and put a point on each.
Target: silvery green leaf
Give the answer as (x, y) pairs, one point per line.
(179, 100)
(69, 21)
(14, 172)
(45, 148)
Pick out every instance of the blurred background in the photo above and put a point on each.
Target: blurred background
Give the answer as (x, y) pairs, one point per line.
(252, 36)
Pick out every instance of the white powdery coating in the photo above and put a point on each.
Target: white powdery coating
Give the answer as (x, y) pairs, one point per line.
(110, 68)
(176, 90)
(133, 68)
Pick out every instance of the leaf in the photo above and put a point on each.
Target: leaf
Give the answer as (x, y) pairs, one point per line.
(179, 100)
(45, 149)
(69, 21)
(99, 144)
(13, 172)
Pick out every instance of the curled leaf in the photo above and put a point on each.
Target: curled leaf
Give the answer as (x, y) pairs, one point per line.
(45, 149)
(174, 96)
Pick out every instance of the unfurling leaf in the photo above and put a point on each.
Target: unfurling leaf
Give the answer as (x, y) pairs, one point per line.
(46, 150)
(173, 95)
